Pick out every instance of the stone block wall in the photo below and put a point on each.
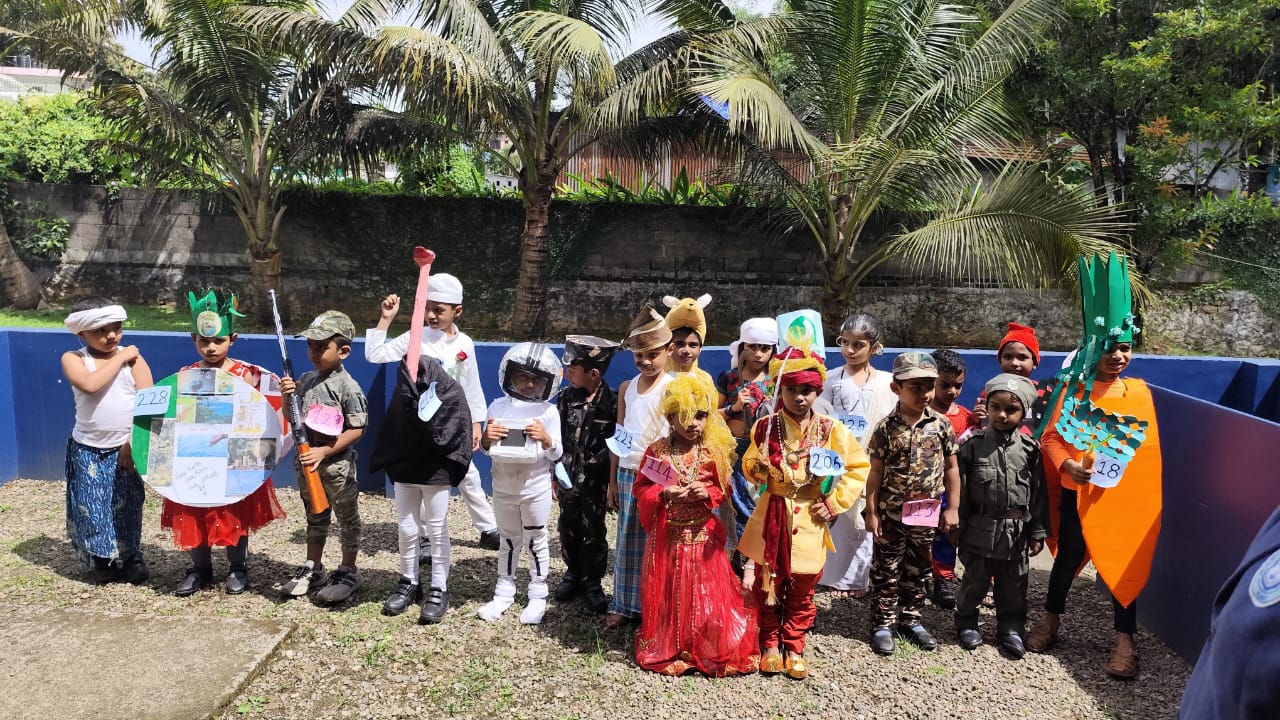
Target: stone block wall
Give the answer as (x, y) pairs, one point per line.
(346, 252)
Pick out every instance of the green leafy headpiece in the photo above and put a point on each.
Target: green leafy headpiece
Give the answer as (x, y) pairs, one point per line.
(1106, 302)
(214, 313)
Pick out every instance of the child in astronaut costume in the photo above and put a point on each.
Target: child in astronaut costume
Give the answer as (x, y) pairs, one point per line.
(523, 439)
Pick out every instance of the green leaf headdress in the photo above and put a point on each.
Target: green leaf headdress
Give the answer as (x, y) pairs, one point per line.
(214, 313)
(1106, 302)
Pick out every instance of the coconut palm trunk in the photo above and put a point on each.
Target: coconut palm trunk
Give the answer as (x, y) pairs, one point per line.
(18, 286)
(529, 316)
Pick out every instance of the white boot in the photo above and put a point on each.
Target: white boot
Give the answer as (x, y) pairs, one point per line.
(493, 609)
(534, 611)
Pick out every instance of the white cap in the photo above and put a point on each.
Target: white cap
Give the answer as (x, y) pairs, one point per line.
(444, 288)
(755, 331)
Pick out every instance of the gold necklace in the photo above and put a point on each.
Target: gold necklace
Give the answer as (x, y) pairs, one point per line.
(688, 470)
(794, 456)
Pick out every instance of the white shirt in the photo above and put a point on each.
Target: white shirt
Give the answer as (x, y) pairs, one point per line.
(873, 401)
(436, 344)
(518, 477)
(642, 419)
(105, 418)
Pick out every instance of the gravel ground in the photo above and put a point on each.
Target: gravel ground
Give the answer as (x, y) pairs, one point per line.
(351, 662)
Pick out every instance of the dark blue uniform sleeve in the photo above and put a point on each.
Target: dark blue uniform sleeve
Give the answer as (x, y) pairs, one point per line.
(1238, 674)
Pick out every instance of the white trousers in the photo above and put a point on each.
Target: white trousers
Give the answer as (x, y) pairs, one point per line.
(477, 502)
(522, 525)
(426, 507)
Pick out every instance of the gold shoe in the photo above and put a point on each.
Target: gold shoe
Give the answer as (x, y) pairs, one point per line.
(771, 662)
(797, 668)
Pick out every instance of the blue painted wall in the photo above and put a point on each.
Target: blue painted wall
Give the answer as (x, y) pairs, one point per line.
(1219, 487)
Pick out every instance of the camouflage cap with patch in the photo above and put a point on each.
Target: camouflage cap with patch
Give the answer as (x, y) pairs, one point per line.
(912, 365)
(329, 323)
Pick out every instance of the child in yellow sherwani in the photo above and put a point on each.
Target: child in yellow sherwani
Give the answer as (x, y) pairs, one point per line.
(787, 535)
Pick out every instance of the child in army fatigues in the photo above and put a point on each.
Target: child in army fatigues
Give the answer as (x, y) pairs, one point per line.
(913, 461)
(1004, 514)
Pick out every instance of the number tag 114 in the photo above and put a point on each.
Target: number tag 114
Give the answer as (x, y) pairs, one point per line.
(825, 462)
(1107, 470)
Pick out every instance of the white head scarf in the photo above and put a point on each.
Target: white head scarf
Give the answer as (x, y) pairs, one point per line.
(78, 322)
(755, 331)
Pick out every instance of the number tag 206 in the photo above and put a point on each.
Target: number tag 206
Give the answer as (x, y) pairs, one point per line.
(825, 462)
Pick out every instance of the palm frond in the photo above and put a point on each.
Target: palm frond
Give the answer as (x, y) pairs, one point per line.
(560, 43)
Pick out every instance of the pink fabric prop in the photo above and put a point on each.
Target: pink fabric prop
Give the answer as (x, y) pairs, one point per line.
(423, 257)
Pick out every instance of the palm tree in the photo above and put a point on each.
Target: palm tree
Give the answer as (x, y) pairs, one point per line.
(885, 97)
(548, 75)
(221, 110)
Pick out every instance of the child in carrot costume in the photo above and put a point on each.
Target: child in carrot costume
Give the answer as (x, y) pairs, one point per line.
(787, 535)
(1107, 423)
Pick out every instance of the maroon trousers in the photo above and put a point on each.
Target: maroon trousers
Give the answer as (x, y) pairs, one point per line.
(789, 621)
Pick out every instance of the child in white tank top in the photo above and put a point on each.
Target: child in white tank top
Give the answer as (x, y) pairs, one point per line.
(104, 491)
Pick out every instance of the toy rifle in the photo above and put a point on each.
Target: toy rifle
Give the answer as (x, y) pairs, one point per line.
(319, 502)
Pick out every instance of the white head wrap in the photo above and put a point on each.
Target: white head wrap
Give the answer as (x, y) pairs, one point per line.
(78, 322)
(755, 331)
(444, 288)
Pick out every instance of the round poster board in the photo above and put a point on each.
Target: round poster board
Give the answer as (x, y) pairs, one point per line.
(204, 437)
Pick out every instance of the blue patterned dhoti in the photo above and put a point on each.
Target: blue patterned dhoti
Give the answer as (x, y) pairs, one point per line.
(104, 504)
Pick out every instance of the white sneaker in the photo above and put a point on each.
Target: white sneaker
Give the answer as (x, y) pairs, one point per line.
(302, 580)
(534, 611)
(493, 609)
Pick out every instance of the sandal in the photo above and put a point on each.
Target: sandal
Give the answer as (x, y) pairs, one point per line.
(1123, 664)
(1043, 636)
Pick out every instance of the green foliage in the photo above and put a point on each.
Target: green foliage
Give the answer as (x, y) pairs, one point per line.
(36, 233)
(56, 139)
(682, 191)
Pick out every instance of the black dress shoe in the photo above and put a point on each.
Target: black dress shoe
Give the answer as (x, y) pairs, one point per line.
(237, 580)
(407, 593)
(434, 606)
(490, 540)
(944, 594)
(969, 638)
(596, 600)
(135, 571)
(567, 589)
(194, 579)
(106, 571)
(1011, 644)
(882, 640)
(916, 633)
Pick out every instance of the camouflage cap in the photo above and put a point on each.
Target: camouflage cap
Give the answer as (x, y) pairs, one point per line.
(330, 323)
(912, 365)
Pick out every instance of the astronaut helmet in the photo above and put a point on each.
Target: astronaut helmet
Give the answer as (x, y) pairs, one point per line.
(530, 372)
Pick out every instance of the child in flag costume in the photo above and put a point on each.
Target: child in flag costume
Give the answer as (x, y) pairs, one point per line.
(197, 529)
(1098, 415)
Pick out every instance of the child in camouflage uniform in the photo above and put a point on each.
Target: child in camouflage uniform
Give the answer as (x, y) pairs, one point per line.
(913, 455)
(1004, 515)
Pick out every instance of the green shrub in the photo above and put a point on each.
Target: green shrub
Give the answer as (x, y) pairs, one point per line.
(56, 139)
(36, 233)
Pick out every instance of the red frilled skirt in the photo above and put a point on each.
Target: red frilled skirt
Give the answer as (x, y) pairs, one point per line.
(222, 526)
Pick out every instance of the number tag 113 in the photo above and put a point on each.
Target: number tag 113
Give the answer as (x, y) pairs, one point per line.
(1107, 470)
(825, 462)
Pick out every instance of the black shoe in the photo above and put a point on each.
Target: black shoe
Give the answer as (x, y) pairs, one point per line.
(237, 580)
(918, 636)
(567, 589)
(596, 600)
(882, 640)
(944, 593)
(407, 593)
(1011, 644)
(106, 571)
(969, 638)
(489, 540)
(136, 571)
(194, 579)
(434, 606)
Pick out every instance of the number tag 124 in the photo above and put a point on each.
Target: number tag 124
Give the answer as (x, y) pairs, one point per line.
(1107, 470)
(825, 462)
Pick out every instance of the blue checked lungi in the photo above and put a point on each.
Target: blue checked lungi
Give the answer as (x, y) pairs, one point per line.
(628, 551)
(104, 504)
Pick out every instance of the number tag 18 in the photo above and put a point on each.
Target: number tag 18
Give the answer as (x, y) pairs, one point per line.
(1107, 470)
(825, 462)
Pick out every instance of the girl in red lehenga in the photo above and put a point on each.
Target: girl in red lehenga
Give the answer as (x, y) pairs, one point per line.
(696, 614)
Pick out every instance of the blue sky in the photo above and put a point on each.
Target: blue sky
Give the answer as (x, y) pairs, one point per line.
(652, 28)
